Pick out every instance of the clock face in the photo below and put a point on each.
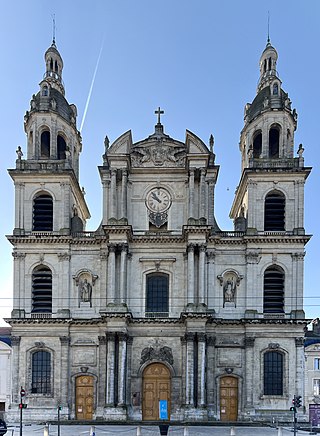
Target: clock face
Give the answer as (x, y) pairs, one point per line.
(158, 200)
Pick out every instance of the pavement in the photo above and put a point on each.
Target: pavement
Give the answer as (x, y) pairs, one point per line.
(130, 430)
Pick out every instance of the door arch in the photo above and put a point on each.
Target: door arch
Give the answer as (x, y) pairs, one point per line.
(84, 397)
(228, 398)
(156, 386)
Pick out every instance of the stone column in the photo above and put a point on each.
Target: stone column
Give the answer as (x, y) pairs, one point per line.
(190, 285)
(103, 285)
(111, 274)
(190, 369)
(191, 193)
(210, 373)
(64, 370)
(19, 203)
(122, 366)
(202, 205)
(110, 382)
(202, 258)
(299, 388)
(105, 197)
(211, 297)
(201, 369)
(15, 343)
(249, 371)
(211, 201)
(123, 272)
(102, 371)
(19, 284)
(124, 194)
(113, 194)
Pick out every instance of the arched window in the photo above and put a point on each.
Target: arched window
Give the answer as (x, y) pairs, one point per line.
(43, 213)
(45, 92)
(45, 145)
(157, 303)
(42, 290)
(56, 66)
(275, 89)
(274, 212)
(41, 373)
(61, 147)
(273, 290)
(51, 64)
(273, 373)
(274, 141)
(257, 144)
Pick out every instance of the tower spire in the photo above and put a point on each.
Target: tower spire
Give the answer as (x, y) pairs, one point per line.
(268, 39)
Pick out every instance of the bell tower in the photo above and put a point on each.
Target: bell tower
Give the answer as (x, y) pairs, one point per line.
(270, 196)
(48, 195)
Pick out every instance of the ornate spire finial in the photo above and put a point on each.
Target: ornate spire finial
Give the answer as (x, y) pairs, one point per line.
(54, 29)
(268, 40)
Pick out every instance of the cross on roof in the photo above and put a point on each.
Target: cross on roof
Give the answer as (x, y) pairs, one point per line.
(159, 112)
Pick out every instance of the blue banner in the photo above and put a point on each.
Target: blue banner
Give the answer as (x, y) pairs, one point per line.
(163, 409)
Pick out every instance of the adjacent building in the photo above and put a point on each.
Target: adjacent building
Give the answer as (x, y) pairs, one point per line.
(158, 303)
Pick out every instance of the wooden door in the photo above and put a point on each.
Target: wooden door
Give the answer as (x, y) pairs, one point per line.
(84, 397)
(156, 386)
(229, 399)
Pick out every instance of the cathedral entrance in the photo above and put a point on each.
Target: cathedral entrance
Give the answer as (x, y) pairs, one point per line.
(228, 398)
(156, 386)
(84, 397)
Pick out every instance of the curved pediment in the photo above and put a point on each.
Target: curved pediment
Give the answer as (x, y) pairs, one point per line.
(194, 144)
(121, 145)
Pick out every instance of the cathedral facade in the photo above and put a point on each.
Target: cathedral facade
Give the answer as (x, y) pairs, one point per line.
(159, 303)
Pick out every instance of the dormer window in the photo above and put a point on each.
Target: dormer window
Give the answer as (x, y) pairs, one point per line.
(45, 91)
(275, 89)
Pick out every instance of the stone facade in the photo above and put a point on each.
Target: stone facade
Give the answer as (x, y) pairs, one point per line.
(312, 372)
(158, 303)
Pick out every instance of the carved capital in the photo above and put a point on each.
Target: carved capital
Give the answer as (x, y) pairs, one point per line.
(211, 340)
(102, 340)
(190, 248)
(64, 340)
(111, 336)
(190, 336)
(297, 256)
(253, 257)
(15, 340)
(249, 341)
(17, 255)
(63, 257)
(299, 342)
(123, 337)
(201, 337)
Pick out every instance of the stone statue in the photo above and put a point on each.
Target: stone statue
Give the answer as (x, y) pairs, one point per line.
(229, 290)
(300, 150)
(85, 291)
(19, 152)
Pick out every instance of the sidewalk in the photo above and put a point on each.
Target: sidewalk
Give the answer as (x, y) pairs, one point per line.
(127, 430)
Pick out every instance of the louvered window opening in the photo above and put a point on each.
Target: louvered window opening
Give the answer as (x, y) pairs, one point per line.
(43, 213)
(273, 299)
(257, 145)
(274, 212)
(273, 373)
(42, 290)
(41, 373)
(274, 136)
(157, 294)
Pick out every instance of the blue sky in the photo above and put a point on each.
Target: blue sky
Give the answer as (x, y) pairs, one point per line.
(198, 60)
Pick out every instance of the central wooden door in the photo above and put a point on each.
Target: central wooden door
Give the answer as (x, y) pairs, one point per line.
(156, 386)
(84, 397)
(229, 399)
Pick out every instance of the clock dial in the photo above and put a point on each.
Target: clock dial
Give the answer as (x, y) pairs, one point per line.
(158, 200)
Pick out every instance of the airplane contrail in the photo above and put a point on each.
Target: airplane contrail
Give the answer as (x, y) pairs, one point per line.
(91, 86)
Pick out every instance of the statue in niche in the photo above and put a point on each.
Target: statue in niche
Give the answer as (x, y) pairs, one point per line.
(229, 290)
(85, 290)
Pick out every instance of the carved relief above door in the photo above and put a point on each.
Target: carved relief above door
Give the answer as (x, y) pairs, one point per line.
(156, 387)
(84, 397)
(228, 398)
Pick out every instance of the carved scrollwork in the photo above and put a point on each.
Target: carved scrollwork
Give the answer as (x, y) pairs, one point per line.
(164, 354)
